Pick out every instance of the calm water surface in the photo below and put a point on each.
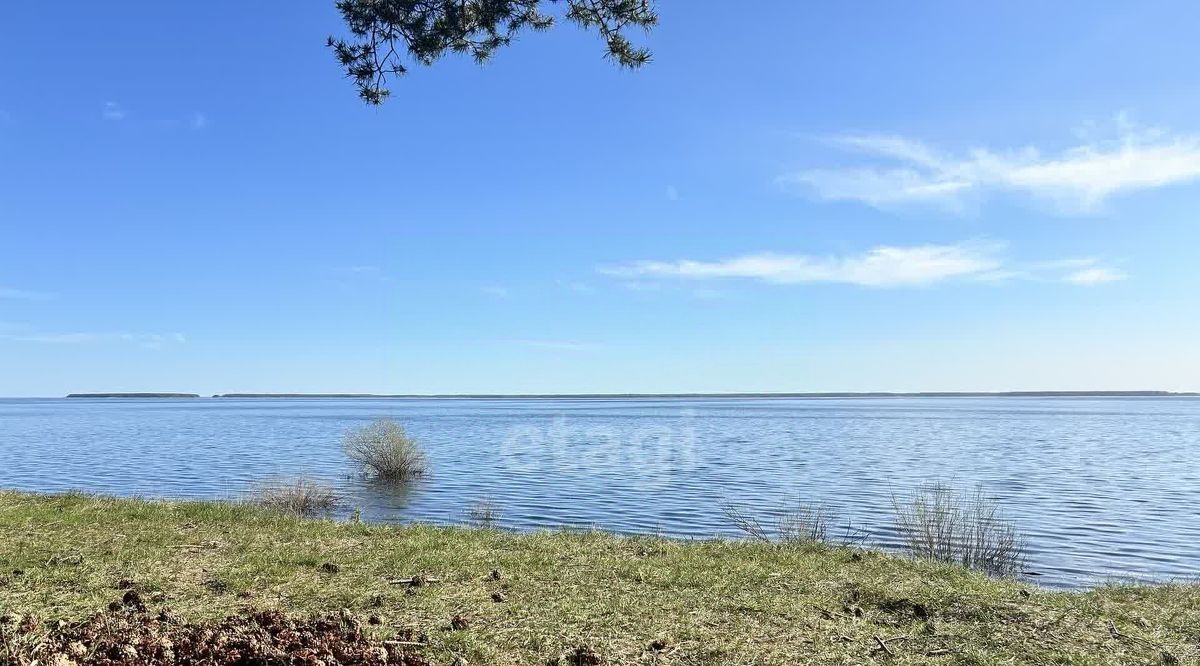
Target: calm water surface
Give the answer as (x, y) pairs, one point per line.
(1105, 489)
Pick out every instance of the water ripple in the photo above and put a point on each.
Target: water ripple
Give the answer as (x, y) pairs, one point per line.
(1105, 489)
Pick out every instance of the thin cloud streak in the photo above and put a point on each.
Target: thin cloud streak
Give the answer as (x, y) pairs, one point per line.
(558, 345)
(1093, 276)
(879, 267)
(148, 340)
(363, 273)
(24, 295)
(1079, 179)
(113, 111)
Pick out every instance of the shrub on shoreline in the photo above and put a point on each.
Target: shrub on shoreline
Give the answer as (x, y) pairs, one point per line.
(300, 496)
(806, 524)
(483, 513)
(937, 523)
(383, 450)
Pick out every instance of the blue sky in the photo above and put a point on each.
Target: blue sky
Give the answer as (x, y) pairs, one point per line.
(806, 198)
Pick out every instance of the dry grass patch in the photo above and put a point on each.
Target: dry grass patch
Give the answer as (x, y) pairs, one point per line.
(301, 496)
(625, 600)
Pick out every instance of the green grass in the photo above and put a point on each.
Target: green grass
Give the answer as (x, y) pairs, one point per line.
(709, 602)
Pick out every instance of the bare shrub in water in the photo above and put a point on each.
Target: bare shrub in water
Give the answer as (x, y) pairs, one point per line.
(383, 450)
(301, 496)
(937, 523)
(803, 525)
(484, 513)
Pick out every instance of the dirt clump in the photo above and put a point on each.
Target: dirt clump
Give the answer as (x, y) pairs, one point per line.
(130, 636)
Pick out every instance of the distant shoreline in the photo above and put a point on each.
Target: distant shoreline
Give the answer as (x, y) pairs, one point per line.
(627, 396)
(133, 395)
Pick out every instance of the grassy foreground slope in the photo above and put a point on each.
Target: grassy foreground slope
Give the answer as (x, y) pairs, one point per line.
(630, 600)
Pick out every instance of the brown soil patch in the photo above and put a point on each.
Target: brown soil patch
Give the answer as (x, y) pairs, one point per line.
(130, 636)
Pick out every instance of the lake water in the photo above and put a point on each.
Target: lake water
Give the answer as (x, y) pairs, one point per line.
(1104, 489)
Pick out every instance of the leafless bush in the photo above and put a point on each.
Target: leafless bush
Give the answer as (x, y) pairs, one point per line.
(299, 496)
(747, 524)
(937, 523)
(805, 524)
(383, 450)
(484, 513)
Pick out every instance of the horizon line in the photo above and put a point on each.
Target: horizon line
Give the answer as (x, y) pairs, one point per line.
(731, 394)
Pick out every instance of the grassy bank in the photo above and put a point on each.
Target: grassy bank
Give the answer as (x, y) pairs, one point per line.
(630, 600)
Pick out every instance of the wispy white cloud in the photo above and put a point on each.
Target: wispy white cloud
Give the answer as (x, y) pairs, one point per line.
(706, 294)
(629, 282)
(1079, 178)
(577, 286)
(363, 272)
(148, 340)
(672, 193)
(496, 291)
(1096, 275)
(884, 266)
(24, 295)
(558, 345)
(113, 111)
(198, 121)
(359, 270)
(879, 267)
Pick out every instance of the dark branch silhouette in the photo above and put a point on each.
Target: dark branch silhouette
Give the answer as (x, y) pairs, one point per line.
(385, 34)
